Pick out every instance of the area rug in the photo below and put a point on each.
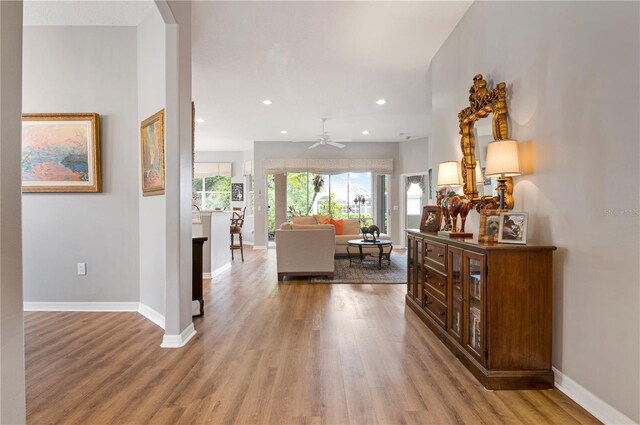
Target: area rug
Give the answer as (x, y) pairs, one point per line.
(367, 272)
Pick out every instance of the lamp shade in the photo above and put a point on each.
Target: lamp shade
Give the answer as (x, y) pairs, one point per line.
(448, 174)
(502, 158)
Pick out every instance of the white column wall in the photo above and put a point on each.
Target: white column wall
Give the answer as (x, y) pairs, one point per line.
(12, 384)
(152, 218)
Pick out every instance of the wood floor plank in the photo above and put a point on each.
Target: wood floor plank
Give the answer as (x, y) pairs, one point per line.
(266, 352)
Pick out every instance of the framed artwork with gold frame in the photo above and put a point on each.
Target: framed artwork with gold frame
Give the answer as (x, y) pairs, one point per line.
(430, 220)
(152, 154)
(61, 152)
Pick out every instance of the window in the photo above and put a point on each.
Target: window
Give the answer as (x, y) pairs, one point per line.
(336, 196)
(210, 193)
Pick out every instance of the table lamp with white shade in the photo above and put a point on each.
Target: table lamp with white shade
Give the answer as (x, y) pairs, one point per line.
(502, 161)
(449, 174)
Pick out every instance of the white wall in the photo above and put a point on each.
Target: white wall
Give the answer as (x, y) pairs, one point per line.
(264, 150)
(236, 159)
(12, 388)
(412, 156)
(572, 74)
(152, 218)
(84, 69)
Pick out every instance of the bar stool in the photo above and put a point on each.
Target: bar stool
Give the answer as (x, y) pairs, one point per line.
(237, 220)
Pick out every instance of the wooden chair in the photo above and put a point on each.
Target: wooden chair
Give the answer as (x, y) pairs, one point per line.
(237, 220)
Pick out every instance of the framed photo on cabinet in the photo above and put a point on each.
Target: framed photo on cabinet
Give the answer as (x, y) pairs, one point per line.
(61, 152)
(152, 154)
(489, 225)
(513, 228)
(430, 221)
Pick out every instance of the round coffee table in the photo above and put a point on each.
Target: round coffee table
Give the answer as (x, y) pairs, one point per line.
(362, 243)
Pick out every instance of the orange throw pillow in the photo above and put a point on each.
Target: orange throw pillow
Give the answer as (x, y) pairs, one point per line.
(324, 219)
(339, 225)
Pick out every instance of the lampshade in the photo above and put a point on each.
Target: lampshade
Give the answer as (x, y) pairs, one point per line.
(502, 158)
(479, 178)
(448, 174)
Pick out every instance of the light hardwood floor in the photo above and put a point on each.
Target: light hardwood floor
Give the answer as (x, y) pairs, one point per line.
(267, 353)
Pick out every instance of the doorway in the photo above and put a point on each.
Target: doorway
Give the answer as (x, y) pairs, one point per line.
(416, 193)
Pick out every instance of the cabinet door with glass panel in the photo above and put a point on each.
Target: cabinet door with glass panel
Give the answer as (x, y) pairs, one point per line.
(411, 265)
(419, 277)
(474, 285)
(455, 286)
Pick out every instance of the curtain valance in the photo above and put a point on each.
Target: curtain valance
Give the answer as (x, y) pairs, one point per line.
(419, 180)
(328, 166)
(212, 169)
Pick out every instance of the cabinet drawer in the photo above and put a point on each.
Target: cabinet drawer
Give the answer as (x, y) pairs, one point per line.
(436, 282)
(435, 308)
(437, 253)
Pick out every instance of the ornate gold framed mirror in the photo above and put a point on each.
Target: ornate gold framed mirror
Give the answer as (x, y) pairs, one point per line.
(475, 135)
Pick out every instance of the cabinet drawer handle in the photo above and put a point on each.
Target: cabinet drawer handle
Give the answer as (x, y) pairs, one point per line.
(428, 302)
(429, 250)
(441, 255)
(440, 283)
(442, 313)
(461, 299)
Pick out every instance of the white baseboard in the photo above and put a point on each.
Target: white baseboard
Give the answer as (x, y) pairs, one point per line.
(151, 314)
(103, 307)
(180, 340)
(220, 269)
(589, 401)
(248, 243)
(206, 275)
(80, 306)
(259, 247)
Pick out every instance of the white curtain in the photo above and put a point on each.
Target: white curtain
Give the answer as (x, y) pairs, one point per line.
(328, 166)
(212, 169)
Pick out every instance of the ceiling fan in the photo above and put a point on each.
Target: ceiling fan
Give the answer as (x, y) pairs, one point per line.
(325, 139)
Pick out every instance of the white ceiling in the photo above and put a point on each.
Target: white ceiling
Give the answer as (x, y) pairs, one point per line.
(85, 12)
(313, 60)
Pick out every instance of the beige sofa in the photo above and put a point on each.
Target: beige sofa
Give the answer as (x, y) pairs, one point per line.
(351, 231)
(306, 252)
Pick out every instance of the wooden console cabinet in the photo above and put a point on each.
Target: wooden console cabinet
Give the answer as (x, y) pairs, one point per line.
(489, 303)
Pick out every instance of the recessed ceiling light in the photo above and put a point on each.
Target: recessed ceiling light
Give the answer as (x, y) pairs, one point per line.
(381, 101)
(365, 132)
(283, 132)
(267, 102)
(200, 120)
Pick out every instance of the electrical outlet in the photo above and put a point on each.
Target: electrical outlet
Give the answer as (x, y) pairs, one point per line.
(395, 208)
(82, 269)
